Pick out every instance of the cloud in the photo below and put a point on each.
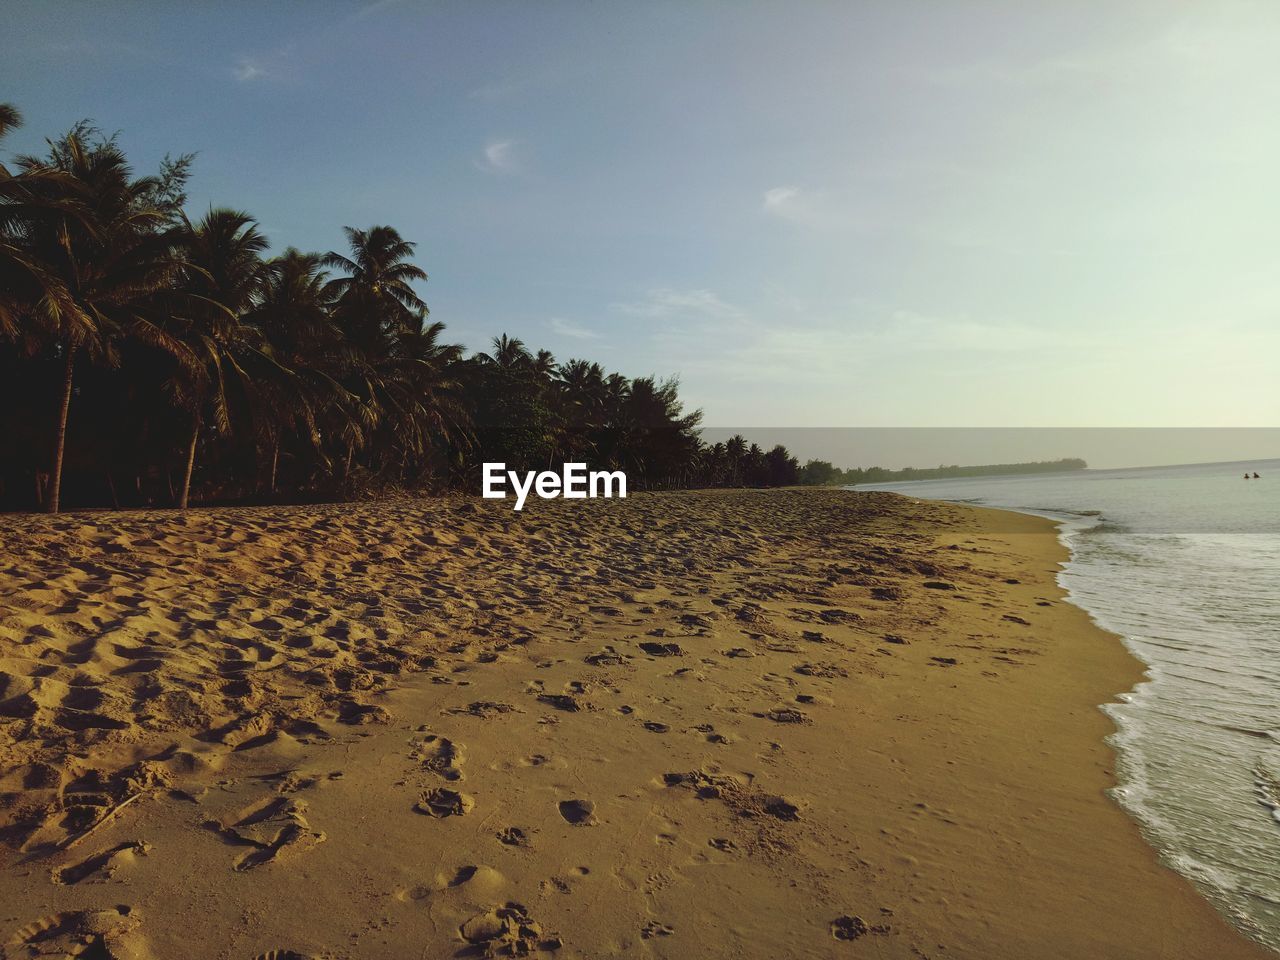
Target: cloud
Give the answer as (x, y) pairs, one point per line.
(723, 346)
(908, 331)
(246, 70)
(376, 7)
(828, 333)
(792, 203)
(567, 328)
(664, 303)
(498, 156)
(780, 200)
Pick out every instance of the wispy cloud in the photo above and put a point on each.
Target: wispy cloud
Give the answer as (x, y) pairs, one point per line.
(780, 199)
(721, 342)
(664, 303)
(376, 7)
(789, 202)
(247, 70)
(499, 156)
(568, 328)
(305, 48)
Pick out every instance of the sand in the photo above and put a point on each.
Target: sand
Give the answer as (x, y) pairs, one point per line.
(716, 724)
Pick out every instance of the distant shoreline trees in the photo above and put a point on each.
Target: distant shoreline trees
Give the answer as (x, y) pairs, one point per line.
(149, 359)
(823, 473)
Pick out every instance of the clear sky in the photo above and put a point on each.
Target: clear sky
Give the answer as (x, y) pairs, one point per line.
(817, 214)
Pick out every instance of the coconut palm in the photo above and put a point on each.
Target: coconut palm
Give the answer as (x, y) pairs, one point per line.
(293, 313)
(25, 285)
(509, 354)
(582, 406)
(34, 302)
(374, 288)
(419, 389)
(221, 273)
(103, 243)
(325, 365)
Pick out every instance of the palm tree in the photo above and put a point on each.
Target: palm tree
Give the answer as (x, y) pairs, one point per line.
(22, 282)
(9, 118)
(293, 313)
(509, 354)
(35, 304)
(582, 402)
(103, 247)
(419, 387)
(375, 297)
(221, 274)
(543, 365)
(374, 302)
(326, 365)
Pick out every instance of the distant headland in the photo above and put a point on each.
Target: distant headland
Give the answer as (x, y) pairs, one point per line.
(823, 474)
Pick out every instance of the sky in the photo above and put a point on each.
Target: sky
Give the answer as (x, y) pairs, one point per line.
(874, 214)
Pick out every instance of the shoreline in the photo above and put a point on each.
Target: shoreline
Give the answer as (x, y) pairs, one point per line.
(1070, 525)
(368, 730)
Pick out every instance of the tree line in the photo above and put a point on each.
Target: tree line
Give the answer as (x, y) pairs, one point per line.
(823, 473)
(148, 358)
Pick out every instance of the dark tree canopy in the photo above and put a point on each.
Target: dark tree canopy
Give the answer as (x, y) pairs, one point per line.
(152, 356)
(823, 473)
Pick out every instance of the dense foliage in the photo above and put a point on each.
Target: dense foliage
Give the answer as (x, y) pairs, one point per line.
(148, 358)
(822, 473)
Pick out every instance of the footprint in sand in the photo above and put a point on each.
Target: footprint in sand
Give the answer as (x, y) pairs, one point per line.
(562, 701)
(480, 880)
(507, 930)
(559, 884)
(821, 669)
(485, 709)
(711, 734)
(514, 837)
(662, 649)
(786, 715)
(655, 929)
(440, 755)
(608, 657)
(852, 928)
(277, 829)
(814, 699)
(103, 865)
(580, 813)
(107, 934)
(440, 803)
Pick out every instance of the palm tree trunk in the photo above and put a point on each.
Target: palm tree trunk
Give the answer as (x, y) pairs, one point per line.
(191, 462)
(60, 439)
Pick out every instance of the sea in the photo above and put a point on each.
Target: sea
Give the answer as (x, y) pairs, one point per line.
(1183, 562)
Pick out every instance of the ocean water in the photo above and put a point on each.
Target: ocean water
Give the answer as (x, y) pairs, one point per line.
(1184, 563)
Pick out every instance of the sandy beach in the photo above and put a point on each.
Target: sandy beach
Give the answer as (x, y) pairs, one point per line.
(749, 724)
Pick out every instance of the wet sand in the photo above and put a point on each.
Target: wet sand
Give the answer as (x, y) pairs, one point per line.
(714, 724)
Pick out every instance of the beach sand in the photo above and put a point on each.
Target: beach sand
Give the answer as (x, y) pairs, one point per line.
(713, 724)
